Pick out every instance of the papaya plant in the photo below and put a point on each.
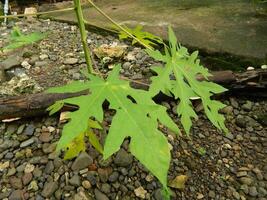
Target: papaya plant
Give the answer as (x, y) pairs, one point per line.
(137, 115)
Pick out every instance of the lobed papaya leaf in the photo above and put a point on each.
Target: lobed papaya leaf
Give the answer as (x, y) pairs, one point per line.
(185, 67)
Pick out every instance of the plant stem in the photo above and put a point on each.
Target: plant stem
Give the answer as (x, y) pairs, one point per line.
(118, 25)
(79, 15)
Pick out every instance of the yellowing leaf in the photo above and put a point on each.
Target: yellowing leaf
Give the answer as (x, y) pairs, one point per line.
(178, 182)
(75, 147)
(78, 144)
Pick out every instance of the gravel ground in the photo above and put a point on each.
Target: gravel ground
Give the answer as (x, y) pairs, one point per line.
(218, 167)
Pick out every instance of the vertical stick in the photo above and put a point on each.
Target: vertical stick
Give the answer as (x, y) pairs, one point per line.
(79, 15)
(6, 11)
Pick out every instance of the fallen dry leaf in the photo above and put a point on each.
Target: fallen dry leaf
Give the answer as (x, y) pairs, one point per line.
(178, 182)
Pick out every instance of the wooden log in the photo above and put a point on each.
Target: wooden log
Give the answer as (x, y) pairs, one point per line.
(249, 83)
(33, 105)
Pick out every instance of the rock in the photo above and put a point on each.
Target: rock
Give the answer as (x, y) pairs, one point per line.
(15, 182)
(86, 184)
(262, 192)
(253, 191)
(158, 195)
(240, 121)
(246, 180)
(236, 195)
(3, 76)
(25, 64)
(126, 65)
(27, 143)
(241, 174)
(45, 137)
(229, 136)
(212, 194)
(49, 148)
(75, 180)
(49, 189)
(40, 64)
(49, 167)
(137, 76)
(234, 103)
(100, 196)
(123, 158)
(29, 130)
(26, 178)
(82, 161)
(43, 56)
(16, 195)
(140, 192)
(106, 188)
(10, 62)
(11, 171)
(113, 177)
(247, 106)
(104, 174)
(227, 110)
(70, 61)
(82, 196)
(29, 168)
(33, 186)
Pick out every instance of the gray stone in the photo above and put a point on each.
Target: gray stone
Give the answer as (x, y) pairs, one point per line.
(262, 192)
(158, 194)
(16, 195)
(253, 191)
(247, 106)
(82, 161)
(75, 180)
(137, 76)
(106, 188)
(27, 143)
(100, 196)
(126, 65)
(29, 130)
(246, 180)
(240, 121)
(229, 136)
(113, 177)
(10, 62)
(49, 167)
(70, 61)
(41, 64)
(82, 196)
(227, 110)
(212, 194)
(241, 174)
(49, 189)
(236, 195)
(234, 103)
(15, 182)
(123, 158)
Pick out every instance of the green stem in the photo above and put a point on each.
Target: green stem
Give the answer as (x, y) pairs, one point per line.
(79, 15)
(118, 25)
